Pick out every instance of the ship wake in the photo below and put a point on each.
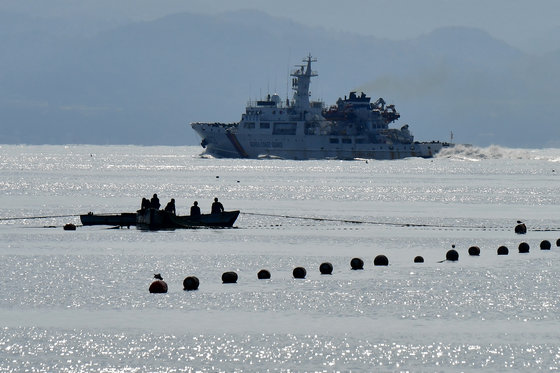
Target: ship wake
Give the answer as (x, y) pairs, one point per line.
(475, 153)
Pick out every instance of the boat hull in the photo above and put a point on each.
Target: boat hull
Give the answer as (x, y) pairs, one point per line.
(125, 219)
(158, 219)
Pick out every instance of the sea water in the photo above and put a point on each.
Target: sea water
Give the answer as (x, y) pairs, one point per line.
(73, 301)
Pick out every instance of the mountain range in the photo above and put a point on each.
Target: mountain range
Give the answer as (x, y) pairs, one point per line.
(143, 82)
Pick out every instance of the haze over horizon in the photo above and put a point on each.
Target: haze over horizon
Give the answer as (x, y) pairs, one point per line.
(107, 72)
(533, 27)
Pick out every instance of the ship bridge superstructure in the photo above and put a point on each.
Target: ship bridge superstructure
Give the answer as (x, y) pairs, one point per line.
(301, 79)
(300, 108)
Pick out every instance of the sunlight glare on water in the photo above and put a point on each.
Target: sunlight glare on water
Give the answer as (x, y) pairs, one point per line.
(79, 301)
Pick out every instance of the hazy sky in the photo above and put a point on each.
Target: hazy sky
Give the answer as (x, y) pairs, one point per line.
(521, 23)
(110, 77)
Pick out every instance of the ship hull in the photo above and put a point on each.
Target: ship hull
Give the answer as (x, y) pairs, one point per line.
(224, 143)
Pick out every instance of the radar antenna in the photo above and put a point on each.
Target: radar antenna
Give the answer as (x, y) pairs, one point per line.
(300, 83)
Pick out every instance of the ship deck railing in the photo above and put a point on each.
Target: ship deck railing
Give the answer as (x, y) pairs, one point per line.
(280, 105)
(215, 124)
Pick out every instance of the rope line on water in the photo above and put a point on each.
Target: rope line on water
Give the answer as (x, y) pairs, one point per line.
(415, 225)
(40, 217)
(362, 221)
(349, 221)
(372, 222)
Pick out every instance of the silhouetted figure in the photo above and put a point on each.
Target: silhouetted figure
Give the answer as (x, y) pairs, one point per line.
(145, 204)
(520, 228)
(158, 286)
(170, 207)
(217, 207)
(195, 210)
(154, 203)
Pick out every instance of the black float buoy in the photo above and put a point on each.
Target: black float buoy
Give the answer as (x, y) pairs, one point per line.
(326, 268)
(299, 272)
(381, 260)
(229, 278)
(558, 242)
(69, 227)
(523, 247)
(263, 274)
(452, 255)
(190, 283)
(502, 250)
(158, 286)
(418, 259)
(545, 245)
(357, 263)
(474, 251)
(520, 228)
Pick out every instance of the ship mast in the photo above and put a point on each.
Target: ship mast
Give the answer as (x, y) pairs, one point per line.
(300, 83)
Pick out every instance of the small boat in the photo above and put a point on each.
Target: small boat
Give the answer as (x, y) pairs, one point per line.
(125, 219)
(160, 219)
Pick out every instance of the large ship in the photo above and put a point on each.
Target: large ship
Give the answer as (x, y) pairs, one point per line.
(302, 129)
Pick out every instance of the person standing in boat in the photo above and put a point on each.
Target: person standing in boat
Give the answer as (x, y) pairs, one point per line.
(217, 207)
(154, 202)
(170, 207)
(145, 204)
(195, 210)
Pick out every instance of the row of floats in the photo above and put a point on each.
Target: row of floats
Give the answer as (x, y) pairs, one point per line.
(192, 283)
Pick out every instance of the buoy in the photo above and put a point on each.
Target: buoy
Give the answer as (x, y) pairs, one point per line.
(520, 228)
(452, 255)
(158, 286)
(326, 268)
(299, 272)
(474, 251)
(523, 247)
(418, 259)
(558, 242)
(381, 260)
(69, 227)
(357, 263)
(190, 283)
(263, 274)
(229, 278)
(502, 250)
(545, 245)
